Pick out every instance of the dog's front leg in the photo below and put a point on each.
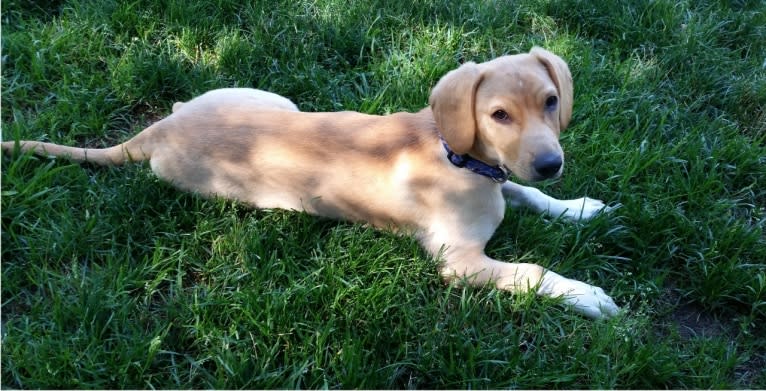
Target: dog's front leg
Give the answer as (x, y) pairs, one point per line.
(479, 269)
(577, 209)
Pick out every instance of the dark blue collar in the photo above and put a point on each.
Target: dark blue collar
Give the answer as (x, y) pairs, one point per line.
(495, 173)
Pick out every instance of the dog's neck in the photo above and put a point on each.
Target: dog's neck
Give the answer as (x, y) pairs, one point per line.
(496, 173)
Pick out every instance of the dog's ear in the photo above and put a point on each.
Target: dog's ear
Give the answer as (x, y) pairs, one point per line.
(453, 104)
(559, 72)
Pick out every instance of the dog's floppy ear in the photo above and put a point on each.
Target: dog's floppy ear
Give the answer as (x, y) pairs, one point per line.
(559, 72)
(453, 104)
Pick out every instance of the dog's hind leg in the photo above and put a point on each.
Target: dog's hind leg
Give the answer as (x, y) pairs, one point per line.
(251, 97)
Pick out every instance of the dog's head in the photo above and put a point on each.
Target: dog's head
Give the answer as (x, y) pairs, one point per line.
(508, 111)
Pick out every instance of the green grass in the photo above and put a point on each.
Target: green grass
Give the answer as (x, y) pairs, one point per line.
(113, 279)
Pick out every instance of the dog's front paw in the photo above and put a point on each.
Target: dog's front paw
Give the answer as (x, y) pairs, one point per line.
(586, 299)
(581, 209)
(590, 300)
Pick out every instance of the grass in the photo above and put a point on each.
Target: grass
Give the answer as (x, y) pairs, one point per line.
(112, 279)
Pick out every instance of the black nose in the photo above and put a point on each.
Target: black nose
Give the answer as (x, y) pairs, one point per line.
(548, 165)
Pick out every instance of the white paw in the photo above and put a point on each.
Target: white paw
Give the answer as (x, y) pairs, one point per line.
(582, 208)
(586, 299)
(590, 300)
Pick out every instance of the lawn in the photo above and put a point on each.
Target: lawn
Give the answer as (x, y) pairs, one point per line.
(113, 279)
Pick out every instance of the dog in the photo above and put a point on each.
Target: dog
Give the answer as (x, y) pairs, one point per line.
(440, 174)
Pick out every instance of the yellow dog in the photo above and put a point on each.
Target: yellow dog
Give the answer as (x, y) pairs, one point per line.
(439, 174)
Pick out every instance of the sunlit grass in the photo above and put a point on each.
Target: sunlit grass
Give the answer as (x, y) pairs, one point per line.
(113, 279)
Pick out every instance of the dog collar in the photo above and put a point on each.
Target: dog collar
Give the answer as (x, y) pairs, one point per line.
(495, 173)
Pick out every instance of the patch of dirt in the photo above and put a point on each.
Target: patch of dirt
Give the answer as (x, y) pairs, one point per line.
(693, 321)
(751, 373)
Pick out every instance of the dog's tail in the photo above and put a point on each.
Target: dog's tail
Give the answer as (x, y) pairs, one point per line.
(133, 150)
(104, 157)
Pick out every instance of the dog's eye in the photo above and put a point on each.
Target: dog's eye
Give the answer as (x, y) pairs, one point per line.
(501, 115)
(551, 103)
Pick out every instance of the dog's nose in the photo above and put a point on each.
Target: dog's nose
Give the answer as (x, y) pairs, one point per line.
(548, 165)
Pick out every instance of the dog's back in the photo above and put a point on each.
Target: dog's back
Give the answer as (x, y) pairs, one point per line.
(300, 161)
